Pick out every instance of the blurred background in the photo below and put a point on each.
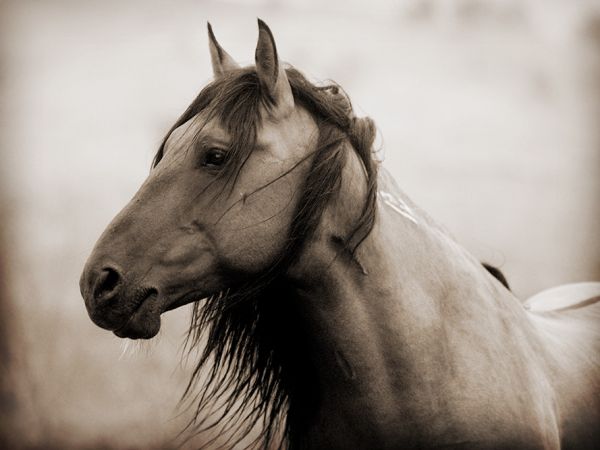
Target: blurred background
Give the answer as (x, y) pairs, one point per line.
(489, 118)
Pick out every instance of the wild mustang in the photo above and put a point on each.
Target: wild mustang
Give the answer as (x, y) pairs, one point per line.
(332, 311)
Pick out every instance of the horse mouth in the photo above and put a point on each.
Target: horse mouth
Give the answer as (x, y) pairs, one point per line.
(144, 321)
(183, 300)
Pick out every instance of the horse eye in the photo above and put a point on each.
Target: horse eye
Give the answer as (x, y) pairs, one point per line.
(214, 158)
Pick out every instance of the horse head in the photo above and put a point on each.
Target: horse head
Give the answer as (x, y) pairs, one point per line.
(224, 201)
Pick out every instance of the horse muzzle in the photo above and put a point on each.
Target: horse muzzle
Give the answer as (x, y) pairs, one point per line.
(115, 303)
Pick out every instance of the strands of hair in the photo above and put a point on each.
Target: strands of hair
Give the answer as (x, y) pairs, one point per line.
(130, 348)
(254, 349)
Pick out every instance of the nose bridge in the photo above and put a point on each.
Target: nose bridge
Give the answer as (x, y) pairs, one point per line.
(120, 250)
(127, 233)
(116, 245)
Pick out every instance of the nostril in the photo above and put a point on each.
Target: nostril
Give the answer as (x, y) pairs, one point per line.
(107, 283)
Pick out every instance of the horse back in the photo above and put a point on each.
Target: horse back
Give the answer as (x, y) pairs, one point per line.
(565, 297)
(570, 333)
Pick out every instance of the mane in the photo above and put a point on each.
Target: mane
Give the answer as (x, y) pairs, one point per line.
(253, 366)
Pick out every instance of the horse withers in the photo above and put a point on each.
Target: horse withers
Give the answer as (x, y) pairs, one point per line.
(332, 311)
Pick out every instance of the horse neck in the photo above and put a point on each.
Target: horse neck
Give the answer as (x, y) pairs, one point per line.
(411, 322)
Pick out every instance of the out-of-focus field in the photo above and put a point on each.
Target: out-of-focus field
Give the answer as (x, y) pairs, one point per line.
(489, 117)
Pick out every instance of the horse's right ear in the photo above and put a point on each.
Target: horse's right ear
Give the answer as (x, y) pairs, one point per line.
(271, 74)
(221, 61)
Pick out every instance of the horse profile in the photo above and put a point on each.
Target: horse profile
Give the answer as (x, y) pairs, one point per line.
(333, 313)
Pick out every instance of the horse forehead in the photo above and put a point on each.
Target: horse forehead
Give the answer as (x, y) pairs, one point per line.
(183, 136)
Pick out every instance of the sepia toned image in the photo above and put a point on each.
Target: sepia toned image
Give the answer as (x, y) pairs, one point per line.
(299, 224)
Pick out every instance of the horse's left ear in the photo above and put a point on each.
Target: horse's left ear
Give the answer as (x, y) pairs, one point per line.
(271, 74)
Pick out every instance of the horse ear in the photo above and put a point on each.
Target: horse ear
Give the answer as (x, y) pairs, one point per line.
(221, 61)
(271, 74)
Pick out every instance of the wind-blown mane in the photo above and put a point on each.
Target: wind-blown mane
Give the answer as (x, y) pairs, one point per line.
(254, 351)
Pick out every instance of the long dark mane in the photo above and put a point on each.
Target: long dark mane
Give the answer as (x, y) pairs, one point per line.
(253, 366)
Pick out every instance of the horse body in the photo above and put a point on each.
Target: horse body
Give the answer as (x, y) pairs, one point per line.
(334, 304)
(467, 368)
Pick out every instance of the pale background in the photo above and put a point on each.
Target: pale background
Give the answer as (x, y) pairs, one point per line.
(489, 115)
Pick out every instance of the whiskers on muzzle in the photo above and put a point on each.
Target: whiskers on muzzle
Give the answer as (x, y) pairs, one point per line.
(131, 348)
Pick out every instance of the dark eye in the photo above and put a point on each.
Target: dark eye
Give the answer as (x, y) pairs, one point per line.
(214, 158)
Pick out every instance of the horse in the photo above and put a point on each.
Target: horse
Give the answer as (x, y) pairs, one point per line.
(331, 311)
